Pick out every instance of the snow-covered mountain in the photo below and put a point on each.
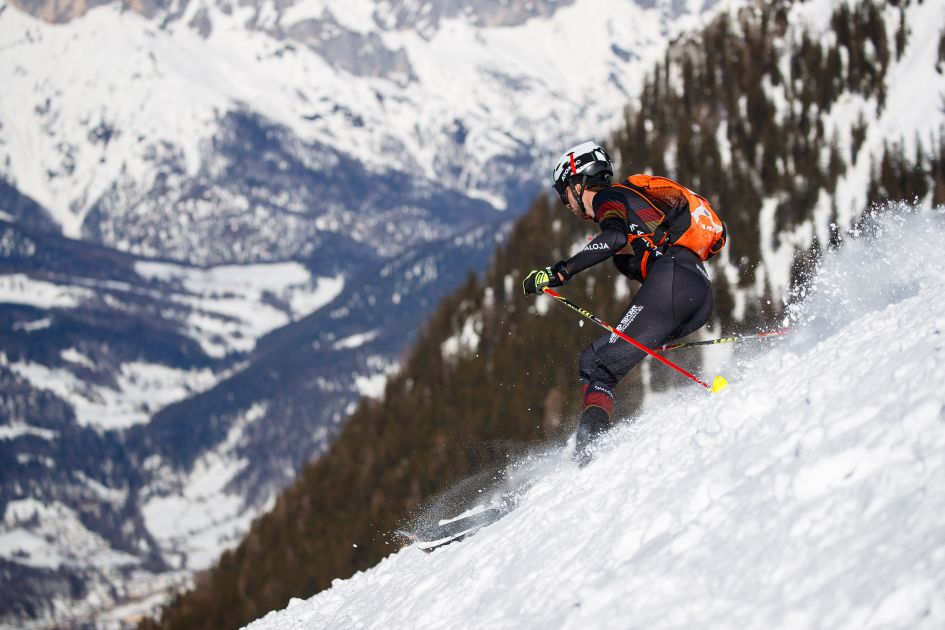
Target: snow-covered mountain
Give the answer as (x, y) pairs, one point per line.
(209, 133)
(805, 495)
(220, 225)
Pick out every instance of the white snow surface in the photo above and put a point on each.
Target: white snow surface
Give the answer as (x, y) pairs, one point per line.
(19, 288)
(806, 495)
(140, 390)
(378, 369)
(51, 535)
(229, 308)
(465, 342)
(234, 305)
(202, 518)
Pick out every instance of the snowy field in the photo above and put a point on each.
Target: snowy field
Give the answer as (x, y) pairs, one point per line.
(201, 518)
(227, 309)
(235, 305)
(807, 495)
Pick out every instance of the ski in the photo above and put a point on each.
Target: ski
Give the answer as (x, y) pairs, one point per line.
(459, 528)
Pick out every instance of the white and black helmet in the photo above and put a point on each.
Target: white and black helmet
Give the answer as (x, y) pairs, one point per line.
(587, 164)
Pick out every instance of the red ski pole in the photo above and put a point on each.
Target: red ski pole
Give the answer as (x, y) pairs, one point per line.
(718, 383)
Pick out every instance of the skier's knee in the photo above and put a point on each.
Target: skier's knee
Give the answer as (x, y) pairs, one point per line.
(587, 362)
(596, 367)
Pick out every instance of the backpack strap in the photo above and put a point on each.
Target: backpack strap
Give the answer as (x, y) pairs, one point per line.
(656, 240)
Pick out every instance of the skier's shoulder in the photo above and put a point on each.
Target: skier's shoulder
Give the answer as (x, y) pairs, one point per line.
(610, 193)
(609, 200)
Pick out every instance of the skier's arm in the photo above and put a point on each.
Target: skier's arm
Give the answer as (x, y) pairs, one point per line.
(612, 238)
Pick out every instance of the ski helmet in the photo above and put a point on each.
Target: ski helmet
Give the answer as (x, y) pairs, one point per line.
(587, 164)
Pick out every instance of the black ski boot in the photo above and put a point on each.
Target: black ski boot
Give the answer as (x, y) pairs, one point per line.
(594, 421)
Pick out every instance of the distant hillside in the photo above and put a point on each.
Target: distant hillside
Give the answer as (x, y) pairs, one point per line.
(790, 119)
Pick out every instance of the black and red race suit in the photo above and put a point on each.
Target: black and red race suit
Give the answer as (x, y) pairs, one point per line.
(675, 299)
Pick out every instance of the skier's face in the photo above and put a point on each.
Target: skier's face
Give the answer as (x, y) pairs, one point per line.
(571, 202)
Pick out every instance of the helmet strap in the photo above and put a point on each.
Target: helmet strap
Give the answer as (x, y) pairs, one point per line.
(580, 201)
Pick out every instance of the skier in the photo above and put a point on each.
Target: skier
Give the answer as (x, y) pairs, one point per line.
(658, 233)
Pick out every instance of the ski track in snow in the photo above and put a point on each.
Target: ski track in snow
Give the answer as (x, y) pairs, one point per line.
(807, 495)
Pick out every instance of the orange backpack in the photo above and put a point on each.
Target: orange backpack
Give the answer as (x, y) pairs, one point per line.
(689, 219)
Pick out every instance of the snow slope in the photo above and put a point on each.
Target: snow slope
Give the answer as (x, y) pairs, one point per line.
(807, 495)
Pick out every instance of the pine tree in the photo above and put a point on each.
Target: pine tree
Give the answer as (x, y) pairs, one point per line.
(937, 170)
(902, 34)
(941, 52)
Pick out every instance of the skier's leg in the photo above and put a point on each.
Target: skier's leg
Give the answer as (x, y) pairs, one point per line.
(692, 296)
(609, 358)
(673, 299)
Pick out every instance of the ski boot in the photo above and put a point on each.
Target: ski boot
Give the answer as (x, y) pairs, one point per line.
(594, 421)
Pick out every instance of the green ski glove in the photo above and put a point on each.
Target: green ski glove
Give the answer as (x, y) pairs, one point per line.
(536, 281)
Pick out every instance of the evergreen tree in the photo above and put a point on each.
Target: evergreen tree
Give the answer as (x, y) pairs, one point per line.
(941, 52)
(902, 34)
(937, 170)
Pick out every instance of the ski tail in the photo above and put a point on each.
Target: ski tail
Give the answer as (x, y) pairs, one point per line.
(459, 528)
